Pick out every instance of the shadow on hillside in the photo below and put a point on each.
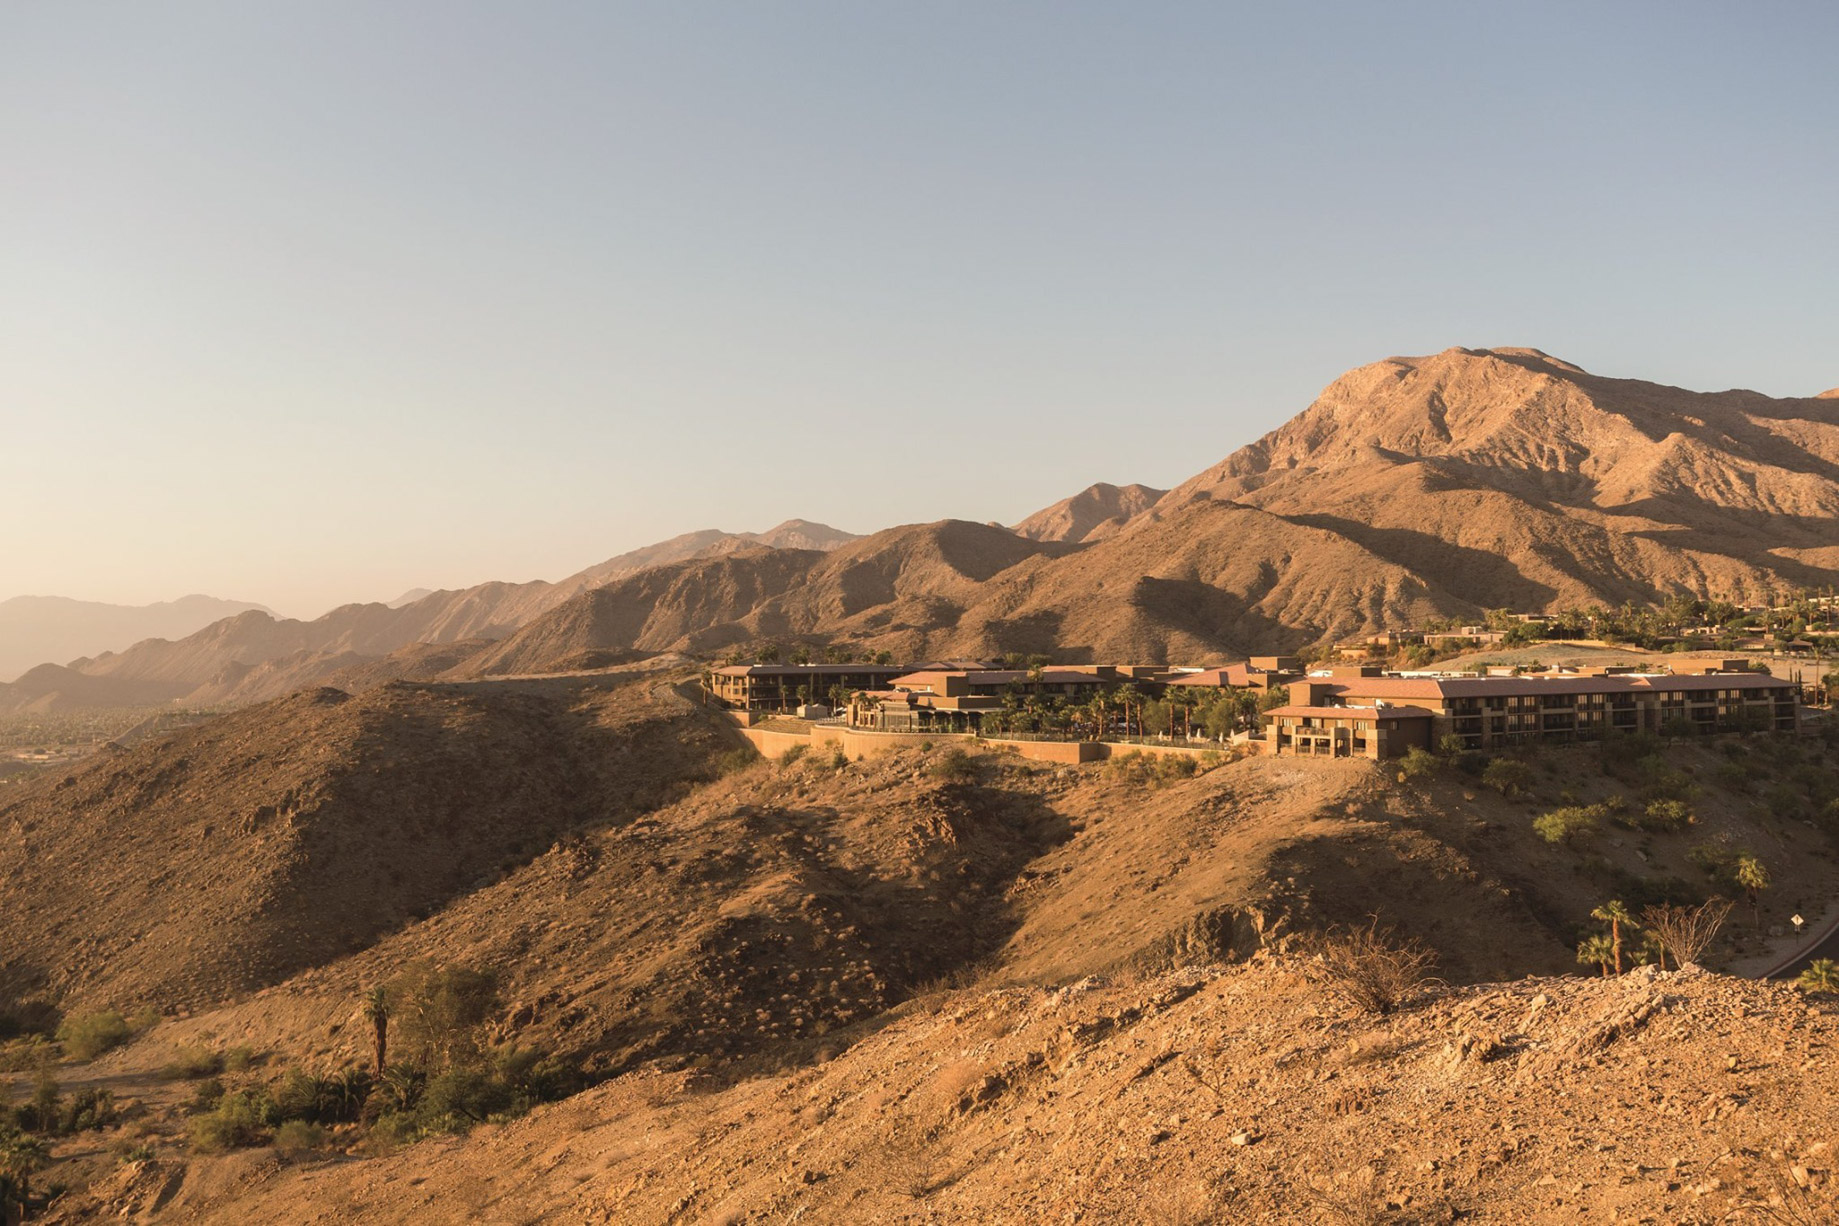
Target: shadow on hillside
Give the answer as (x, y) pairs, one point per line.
(1440, 561)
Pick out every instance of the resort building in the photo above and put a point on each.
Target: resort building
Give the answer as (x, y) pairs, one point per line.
(782, 687)
(1389, 713)
(955, 700)
(1257, 673)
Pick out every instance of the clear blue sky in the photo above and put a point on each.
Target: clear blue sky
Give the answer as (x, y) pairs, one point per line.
(311, 302)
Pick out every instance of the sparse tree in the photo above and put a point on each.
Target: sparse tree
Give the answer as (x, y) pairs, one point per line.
(377, 1013)
(1372, 970)
(1752, 877)
(1615, 914)
(1687, 932)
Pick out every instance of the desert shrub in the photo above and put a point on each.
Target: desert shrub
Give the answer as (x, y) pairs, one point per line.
(1686, 932)
(1821, 977)
(1717, 860)
(1371, 969)
(238, 1121)
(1417, 764)
(1210, 758)
(1570, 825)
(238, 1059)
(43, 1112)
(1508, 776)
(206, 1094)
(1175, 766)
(792, 754)
(192, 1063)
(839, 758)
(299, 1137)
(954, 766)
(21, 1018)
(1664, 816)
(439, 1014)
(88, 1036)
(736, 760)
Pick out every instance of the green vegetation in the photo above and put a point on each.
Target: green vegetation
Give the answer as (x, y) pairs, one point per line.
(1153, 770)
(88, 1036)
(954, 766)
(1508, 776)
(1417, 764)
(1820, 978)
(1570, 825)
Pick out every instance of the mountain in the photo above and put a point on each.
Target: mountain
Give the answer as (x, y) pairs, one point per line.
(1412, 487)
(254, 655)
(1095, 512)
(37, 629)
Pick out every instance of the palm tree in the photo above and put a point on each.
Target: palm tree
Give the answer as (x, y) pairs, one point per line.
(21, 1157)
(1596, 949)
(377, 1013)
(1615, 915)
(1821, 975)
(1753, 877)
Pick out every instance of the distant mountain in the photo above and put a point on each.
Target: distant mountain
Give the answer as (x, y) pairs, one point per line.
(254, 655)
(410, 597)
(1092, 514)
(37, 629)
(1412, 487)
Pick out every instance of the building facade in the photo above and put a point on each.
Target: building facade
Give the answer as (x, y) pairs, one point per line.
(1489, 713)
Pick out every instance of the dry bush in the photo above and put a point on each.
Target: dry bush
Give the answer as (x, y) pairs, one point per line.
(1372, 969)
(1686, 932)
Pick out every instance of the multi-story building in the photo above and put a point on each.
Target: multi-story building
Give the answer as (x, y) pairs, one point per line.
(1330, 713)
(781, 687)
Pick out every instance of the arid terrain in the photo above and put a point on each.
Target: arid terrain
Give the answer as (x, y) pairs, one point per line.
(921, 986)
(465, 908)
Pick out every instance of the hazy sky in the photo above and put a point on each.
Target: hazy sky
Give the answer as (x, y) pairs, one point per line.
(313, 302)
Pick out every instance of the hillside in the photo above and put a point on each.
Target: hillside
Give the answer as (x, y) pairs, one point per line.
(40, 629)
(1209, 1095)
(932, 978)
(244, 849)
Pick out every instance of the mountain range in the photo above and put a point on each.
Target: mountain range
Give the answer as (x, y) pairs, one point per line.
(1412, 487)
(34, 629)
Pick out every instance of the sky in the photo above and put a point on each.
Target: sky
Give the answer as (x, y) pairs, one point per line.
(310, 302)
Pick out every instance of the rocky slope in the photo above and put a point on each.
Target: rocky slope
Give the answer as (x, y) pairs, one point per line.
(1095, 512)
(252, 846)
(1209, 1095)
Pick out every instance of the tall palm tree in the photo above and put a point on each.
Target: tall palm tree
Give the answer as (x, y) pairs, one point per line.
(1615, 915)
(377, 1012)
(1596, 949)
(1752, 875)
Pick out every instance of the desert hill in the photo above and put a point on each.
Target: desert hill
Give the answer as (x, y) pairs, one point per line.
(772, 954)
(1094, 512)
(38, 629)
(234, 853)
(1206, 1095)
(254, 655)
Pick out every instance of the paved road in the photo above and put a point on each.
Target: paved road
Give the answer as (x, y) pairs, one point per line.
(1825, 945)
